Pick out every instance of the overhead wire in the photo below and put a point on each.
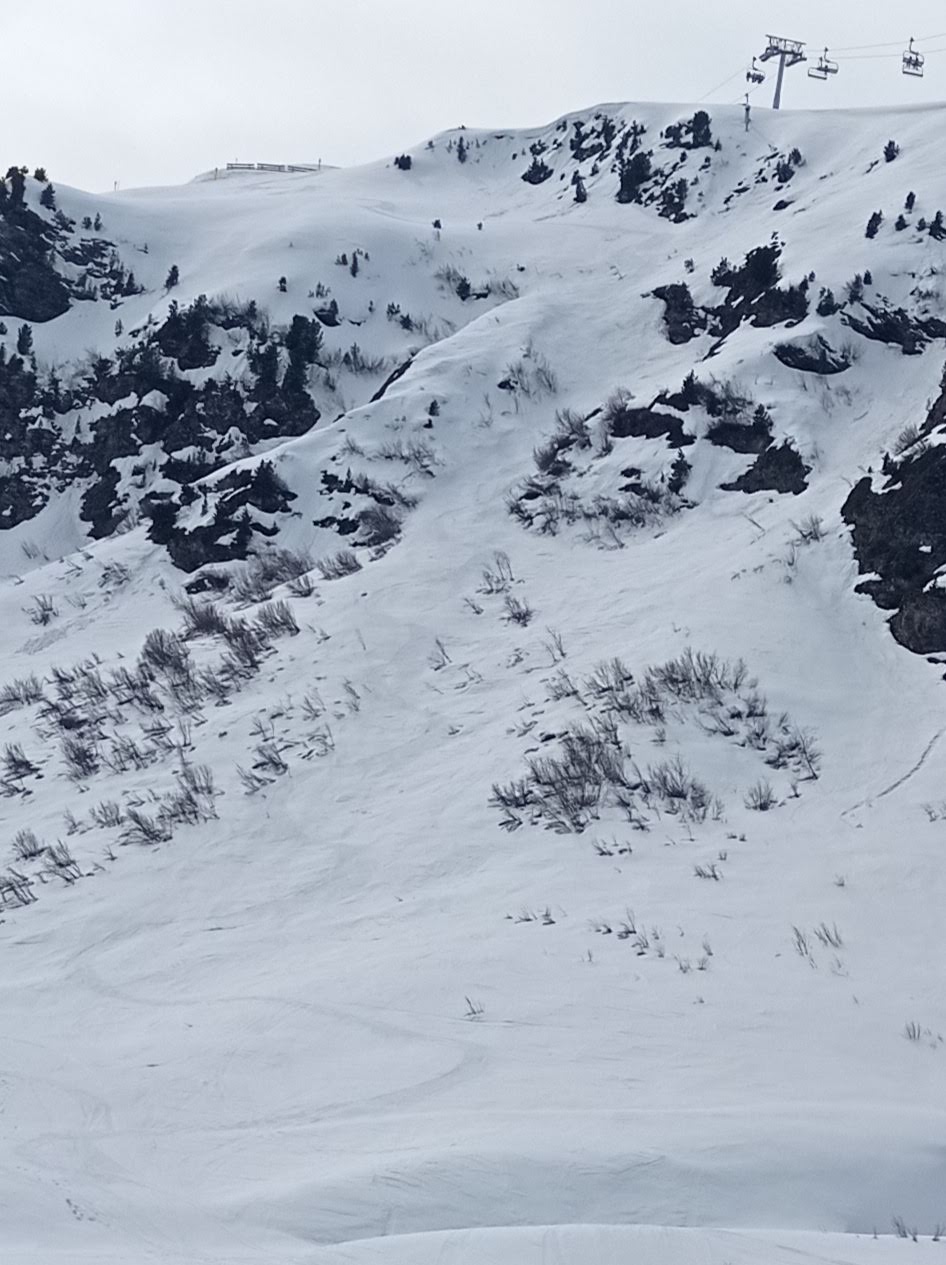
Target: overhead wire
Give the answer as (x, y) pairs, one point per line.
(734, 75)
(857, 48)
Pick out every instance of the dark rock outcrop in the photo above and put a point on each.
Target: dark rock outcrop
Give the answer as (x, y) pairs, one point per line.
(777, 469)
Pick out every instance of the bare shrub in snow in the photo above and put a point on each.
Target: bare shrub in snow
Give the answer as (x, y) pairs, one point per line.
(761, 797)
(81, 757)
(145, 830)
(26, 846)
(276, 619)
(498, 577)
(201, 619)
(256, 580)
(16, 766)
(21, 692)
(43, 611)
(518, 611)
(338, 565)
(379, 525)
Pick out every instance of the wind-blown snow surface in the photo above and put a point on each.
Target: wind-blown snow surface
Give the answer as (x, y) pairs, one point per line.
(350, 1018)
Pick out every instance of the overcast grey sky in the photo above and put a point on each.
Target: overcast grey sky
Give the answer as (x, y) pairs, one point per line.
(153, 91)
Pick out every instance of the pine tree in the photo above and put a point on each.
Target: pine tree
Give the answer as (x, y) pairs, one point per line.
(461, 150)
(353, 269)
(891, 150)
(283, 285)
(24, 341)
(97, 225)
(702, 135)
(40, 175)
(17, 187)
(172, 278)
(633, 174)
(874, 223)
(900, 224)
(827, 304)
(48, 197)
(910, 201)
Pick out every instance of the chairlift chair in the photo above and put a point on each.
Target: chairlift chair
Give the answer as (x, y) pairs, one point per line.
(824, 67)
(913, 61)
(754, 74)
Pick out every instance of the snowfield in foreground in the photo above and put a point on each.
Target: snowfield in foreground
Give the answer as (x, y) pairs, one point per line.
(540, 857)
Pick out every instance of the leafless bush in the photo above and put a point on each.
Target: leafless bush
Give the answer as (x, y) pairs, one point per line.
(252, 782)
(15, 763)
(81, 757)
(301, 586)
(761, 797)
(829, 937)
(697, 676)
(562, 686)
(802, 944)
(60, 862)
(217, 685)
(201, 619)
(379, 525)
(143, 829)
(257, 579)
(26, 846)
(16, 890)
(107, 814)
(134, 689)
(125, 753)
(43, 611)
(899, 1225)
(497, 579)
(809, 531)
(246, 644)
(611, 682)
(555, 645)
(571, 429)
(438, 657)
(518, 611)
(277, 620)
(192, 801)
(269, 759)
(682, 793)
(416, 453)
(335, 566)
(165, 653)
(515, 794)
(21, 692)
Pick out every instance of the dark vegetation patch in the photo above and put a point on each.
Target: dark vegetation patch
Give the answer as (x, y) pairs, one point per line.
(33, 247)
(199, 429)
(813, 355)
(775, 469)
(899, 535)
(895, 326)
(753, 295)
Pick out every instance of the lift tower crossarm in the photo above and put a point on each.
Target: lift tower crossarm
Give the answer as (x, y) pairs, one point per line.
(789, 53)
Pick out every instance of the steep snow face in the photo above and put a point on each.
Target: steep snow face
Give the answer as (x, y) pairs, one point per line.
(458, 804)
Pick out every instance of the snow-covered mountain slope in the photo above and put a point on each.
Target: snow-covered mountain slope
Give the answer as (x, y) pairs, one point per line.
(459, 804)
